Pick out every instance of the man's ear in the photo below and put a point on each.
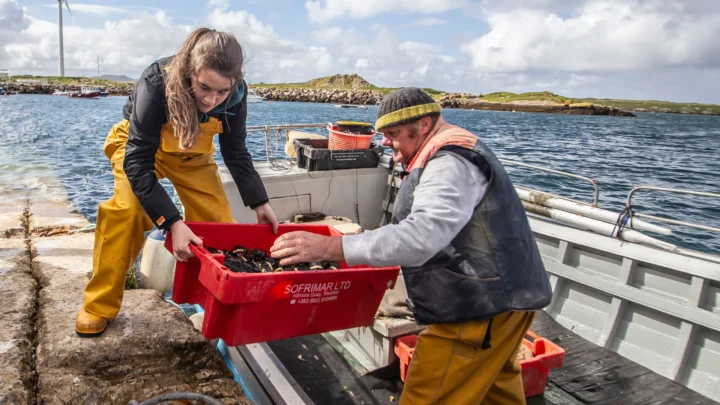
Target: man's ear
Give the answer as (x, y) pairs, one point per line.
(425, 125)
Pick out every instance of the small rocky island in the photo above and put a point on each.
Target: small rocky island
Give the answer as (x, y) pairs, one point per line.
(353, 89)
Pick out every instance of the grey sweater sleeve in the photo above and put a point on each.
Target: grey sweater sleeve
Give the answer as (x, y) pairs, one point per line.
(449, 190)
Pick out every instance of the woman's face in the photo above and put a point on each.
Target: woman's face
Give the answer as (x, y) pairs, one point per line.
(210, 89)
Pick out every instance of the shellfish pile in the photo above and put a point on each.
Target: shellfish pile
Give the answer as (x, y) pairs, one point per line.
(242, 260)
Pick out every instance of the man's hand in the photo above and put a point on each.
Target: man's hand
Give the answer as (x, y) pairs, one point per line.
(265, 215)
(182, 236)
(300, 246)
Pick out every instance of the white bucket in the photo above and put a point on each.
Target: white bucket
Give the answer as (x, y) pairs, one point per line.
(157, 265)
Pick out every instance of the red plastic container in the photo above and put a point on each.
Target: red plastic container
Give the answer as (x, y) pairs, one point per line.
(338, 140)
(404, 349)
(243, 308)
(535, 371)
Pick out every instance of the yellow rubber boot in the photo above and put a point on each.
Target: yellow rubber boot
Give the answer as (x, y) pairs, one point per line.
(89, 325)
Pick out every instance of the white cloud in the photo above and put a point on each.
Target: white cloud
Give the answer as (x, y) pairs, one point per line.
(653, 49)
(604, 35)
(419, 48)
(220, 4)
(327, 10)
(91, 9)
(426, 22)
(328, 34)
(12, 17)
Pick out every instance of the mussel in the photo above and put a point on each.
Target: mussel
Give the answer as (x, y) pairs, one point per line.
(239, 251)
(239, 265)
(327, 265)
(213, 250)
(243, 260)
(257, 255)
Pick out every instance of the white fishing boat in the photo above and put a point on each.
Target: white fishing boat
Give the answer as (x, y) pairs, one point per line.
(253, 97)
(638, 316)
(362, 107)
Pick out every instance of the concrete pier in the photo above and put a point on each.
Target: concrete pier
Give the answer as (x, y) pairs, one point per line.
(149, 349)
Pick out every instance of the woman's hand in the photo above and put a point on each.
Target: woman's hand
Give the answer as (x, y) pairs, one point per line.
(182, 236)
(265, 215)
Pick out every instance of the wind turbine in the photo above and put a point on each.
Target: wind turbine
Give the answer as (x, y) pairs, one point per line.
(61, 61)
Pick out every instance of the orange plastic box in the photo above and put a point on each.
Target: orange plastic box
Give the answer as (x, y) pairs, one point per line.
(243, 308)
(339, 140)
(535, 371)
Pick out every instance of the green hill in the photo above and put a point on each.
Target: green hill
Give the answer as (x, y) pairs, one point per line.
(341, 82)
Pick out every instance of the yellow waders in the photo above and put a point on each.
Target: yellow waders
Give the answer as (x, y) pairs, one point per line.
(449, 365)
(121, 220)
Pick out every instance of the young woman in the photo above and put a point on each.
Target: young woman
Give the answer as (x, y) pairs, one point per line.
(179, 104)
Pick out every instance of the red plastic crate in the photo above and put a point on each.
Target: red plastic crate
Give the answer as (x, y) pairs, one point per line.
(535, 371)
(243, 308)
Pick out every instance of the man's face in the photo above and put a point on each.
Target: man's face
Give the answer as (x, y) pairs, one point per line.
(405, 139)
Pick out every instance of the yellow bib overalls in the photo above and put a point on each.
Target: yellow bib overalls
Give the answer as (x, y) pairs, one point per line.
(122, 221)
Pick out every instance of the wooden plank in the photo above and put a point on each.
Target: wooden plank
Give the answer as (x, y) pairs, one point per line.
(588, 356)
(617, 308)
(575, 345)
(620, 388)
(556, 282)
(686, 397)
(541, 319)
(682, 348)
(659, 303)
(597, 375)
(644, 254)
(648, 393)
(564, 374)
(617, 373)
(697, 290)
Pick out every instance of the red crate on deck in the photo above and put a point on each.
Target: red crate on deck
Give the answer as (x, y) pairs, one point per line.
(242, 308)
(535, 371)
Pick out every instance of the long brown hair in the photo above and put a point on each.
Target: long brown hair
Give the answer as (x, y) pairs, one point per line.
(205, 48)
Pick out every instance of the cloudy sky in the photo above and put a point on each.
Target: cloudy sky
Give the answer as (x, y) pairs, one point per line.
(636, 49)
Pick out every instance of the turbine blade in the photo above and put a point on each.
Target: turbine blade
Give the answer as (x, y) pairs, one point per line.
(67, 5)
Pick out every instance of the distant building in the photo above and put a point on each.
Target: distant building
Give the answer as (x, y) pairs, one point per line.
(4, 73)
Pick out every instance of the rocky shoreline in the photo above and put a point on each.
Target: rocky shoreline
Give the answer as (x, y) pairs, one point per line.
(370, 97)
(362, 97)
(460, 101)
(117, 89)
(471, 102)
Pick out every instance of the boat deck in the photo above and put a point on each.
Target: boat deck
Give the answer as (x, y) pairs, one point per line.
(591, 374)
(596, 375)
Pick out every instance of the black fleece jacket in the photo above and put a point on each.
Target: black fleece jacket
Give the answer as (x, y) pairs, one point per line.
(146, 111)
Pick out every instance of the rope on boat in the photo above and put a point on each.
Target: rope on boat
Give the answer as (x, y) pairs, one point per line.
(177, 396)
(621, 223)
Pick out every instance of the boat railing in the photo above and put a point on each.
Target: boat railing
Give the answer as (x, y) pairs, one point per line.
(275, 130)
(629, 207)
(272, 134)
(596, 190)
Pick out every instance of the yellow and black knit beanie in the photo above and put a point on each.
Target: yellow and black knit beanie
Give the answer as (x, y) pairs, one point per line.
(405, 105)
